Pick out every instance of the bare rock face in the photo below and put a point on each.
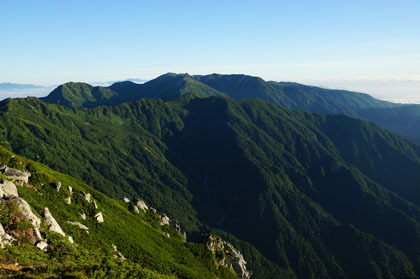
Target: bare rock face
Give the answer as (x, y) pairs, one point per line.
(221, 249)
(58, 186)
(16, 175)
(99, 217)
(142, 205)
(52, 223)
(238, 262)
(8, 189)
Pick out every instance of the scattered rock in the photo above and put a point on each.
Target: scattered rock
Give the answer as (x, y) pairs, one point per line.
(70, 190)
(94, 204)
(68, 200)
(23, 234)
(52, 223)
(42, 245)
(88, 197)
(16, 175)
(125, 199)
(80, 225)
(167, 234)
(142, 205)
(71, 240)
(83, 215)
(58, 186)
(99, 217)
(153, 210)
(164, 220)
(8, 189)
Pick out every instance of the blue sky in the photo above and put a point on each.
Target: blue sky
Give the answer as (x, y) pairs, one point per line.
(327, 43)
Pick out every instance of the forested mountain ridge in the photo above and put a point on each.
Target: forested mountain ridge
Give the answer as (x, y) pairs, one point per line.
(303, 189)
(399, 118)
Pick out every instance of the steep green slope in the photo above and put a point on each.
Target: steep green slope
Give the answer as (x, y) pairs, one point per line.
(76, 94)
(145, 251)
(300, 188)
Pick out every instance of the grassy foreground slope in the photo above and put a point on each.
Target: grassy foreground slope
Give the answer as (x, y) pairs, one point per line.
(302, 189)
(139, 237)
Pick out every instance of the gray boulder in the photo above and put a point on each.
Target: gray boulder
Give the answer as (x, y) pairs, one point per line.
(52, 223)
(8, 189)
(16, 175)
(142, 205)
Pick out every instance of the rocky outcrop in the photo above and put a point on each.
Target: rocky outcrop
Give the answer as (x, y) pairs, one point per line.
(52, 223)
(141, 205)
(16, 175)
(99, 217)
(8, 189)
(222, 251)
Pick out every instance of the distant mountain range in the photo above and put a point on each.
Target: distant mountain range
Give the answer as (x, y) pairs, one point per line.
(402, 119)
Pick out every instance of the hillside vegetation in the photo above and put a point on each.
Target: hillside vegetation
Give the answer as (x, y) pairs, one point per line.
(301, 195)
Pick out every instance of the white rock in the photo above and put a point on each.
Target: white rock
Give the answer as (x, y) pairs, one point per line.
(142, 205)
(16, 175)
(58, 186)
(5, 239)
(80, 225)
(125, 199)
(70, 189)
(42, 245)
(24, 207)
(52, 223)
(68, 200)
(114, 247)
(167, 234)
(71, 240)
(153, 210)
(164, 220)
(83, 215)
(135, 209)
(88, 197)
(99, 217)
(8, 189)
(94, 204)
